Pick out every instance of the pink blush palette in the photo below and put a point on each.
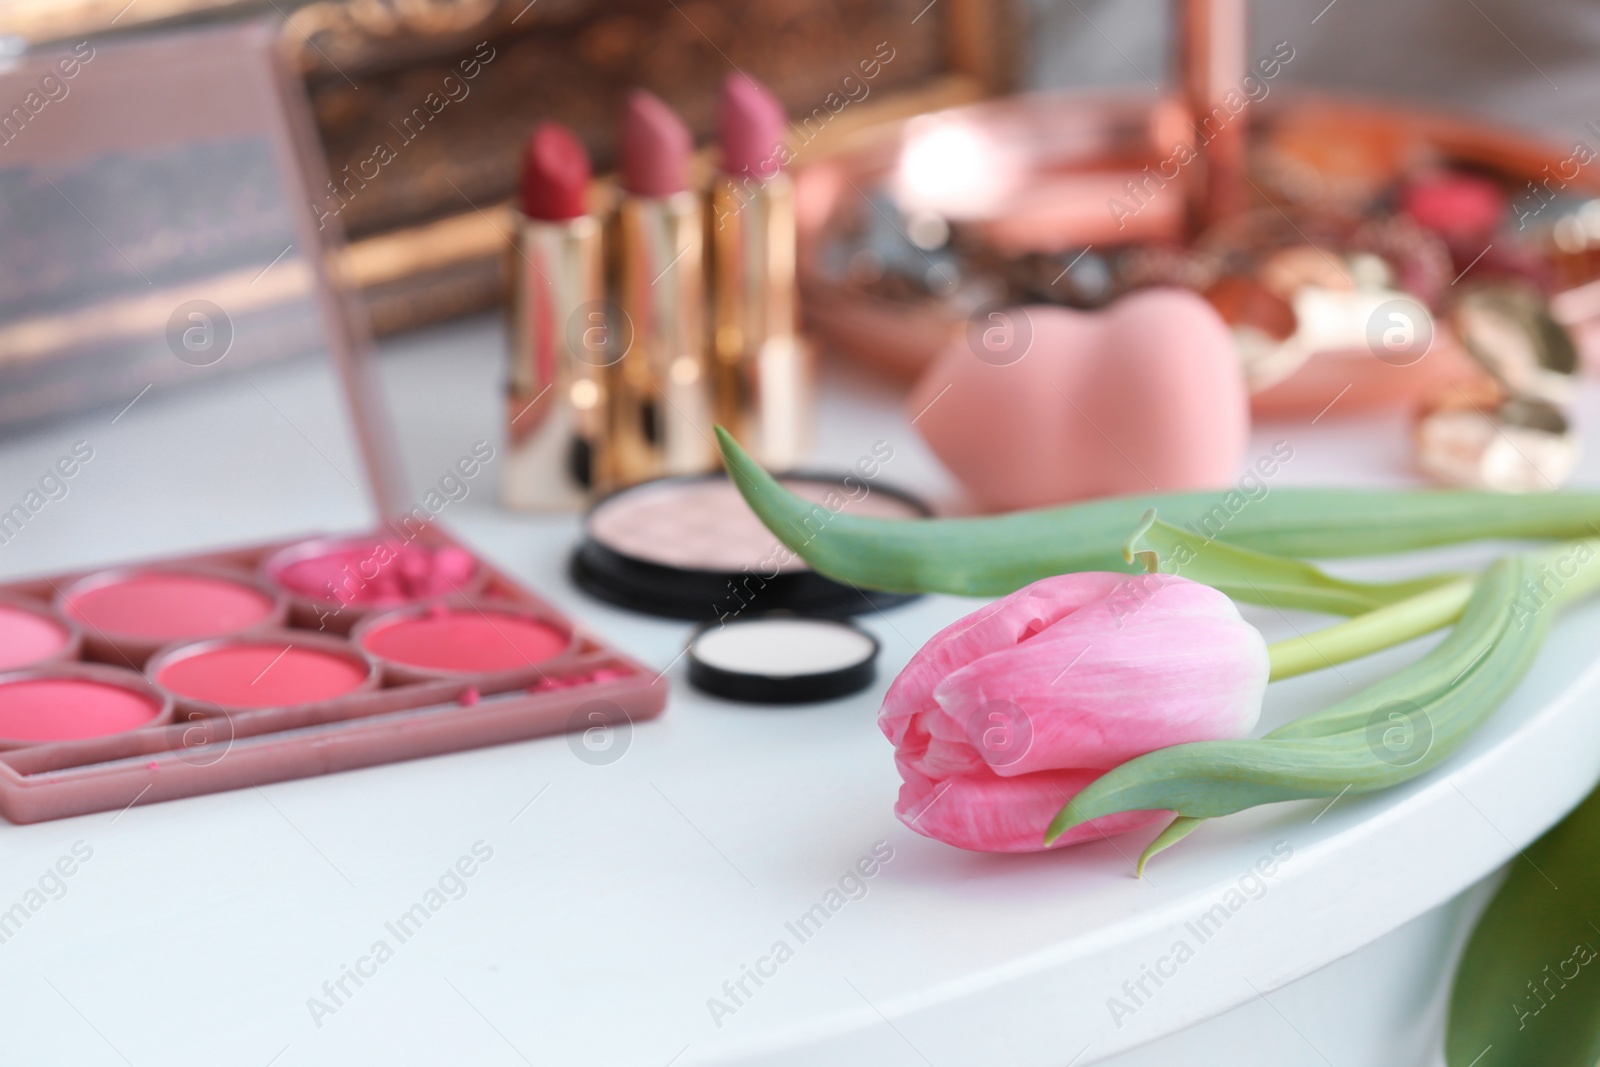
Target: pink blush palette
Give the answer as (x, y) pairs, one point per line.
(262, 699)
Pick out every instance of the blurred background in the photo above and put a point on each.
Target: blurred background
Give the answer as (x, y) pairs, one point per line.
(363, 62)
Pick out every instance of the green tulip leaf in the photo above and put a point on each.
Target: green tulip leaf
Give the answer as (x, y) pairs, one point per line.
(1386, 734)
(1176, 831)
(1259, 577)
(1527, 990)
(1000, 554)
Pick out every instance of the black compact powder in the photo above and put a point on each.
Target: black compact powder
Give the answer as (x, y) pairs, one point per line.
(690, 548)
(782, 659)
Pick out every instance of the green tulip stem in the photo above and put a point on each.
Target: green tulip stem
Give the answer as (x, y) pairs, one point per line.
(1563, 573)
(1376, 630)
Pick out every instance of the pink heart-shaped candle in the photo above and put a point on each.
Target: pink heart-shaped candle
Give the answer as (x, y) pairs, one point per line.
(1041, 405)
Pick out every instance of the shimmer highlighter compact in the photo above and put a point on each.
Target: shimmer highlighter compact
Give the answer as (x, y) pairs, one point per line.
(216, 573)
(691, 548)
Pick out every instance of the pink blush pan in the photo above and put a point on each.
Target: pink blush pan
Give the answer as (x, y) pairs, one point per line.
(40, 709)
(29, 637)
(464, 640)
(265, 672)
(373, 573)
(169, 606)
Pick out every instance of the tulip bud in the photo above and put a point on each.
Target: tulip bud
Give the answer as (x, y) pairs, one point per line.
(1008, 713)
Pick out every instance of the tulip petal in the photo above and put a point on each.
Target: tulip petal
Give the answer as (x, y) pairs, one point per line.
(1002, 624)
(986, 813)
(1007, 714)
(1176, 664)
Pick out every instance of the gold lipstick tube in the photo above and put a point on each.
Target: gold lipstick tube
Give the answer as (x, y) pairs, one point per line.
(663, 422)
(761, 369)
(557, 396)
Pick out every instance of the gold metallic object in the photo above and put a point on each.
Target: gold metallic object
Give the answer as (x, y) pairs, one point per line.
(1478, 437)
(557, 390)
(1509, 330)
(663, 414)
(761, 367)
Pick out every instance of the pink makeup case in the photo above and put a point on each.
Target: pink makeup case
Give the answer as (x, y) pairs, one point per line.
(257, 277)
(204, 753)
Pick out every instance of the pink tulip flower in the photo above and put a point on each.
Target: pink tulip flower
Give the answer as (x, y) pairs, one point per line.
(1007, 714)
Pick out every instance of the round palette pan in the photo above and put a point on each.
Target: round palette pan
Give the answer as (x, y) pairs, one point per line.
(463, 639)
(264, 669)
(32, 635)
(332, 583)
(127, 613)
(74, 702)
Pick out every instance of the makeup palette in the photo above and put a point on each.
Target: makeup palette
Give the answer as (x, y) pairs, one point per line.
(235, 697)
(203, 666)
(691, 548)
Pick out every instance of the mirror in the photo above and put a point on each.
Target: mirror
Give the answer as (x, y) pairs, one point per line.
(177, 370)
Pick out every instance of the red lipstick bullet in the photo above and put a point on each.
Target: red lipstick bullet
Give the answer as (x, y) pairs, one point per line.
(555, 175)
(556, 395)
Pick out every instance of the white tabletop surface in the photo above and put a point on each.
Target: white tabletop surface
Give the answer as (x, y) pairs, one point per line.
(621, 896)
